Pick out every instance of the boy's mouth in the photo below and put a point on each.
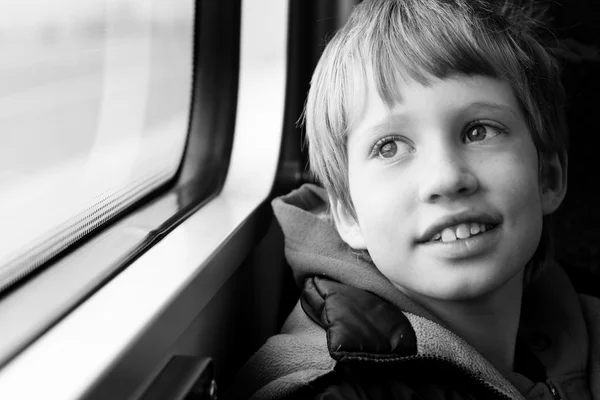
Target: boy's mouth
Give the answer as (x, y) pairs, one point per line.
(461, 231)
(459, 226)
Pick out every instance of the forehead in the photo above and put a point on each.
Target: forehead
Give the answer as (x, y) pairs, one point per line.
(458, 95)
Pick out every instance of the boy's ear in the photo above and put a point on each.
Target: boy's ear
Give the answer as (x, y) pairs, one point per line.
(347, 226)
(554, 182)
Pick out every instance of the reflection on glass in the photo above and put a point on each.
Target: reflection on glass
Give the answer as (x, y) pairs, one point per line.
(94, 107)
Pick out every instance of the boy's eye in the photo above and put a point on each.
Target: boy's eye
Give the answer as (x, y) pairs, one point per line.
(480, 132)
(388, 150)
(390, 147)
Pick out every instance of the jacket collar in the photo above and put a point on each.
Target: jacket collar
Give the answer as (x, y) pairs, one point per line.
(363, 326)
(359, 324)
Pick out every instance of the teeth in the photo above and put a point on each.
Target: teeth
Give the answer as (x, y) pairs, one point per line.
(448, 235)
(463, 231)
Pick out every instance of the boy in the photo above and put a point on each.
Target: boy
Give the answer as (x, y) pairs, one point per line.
(437, 130)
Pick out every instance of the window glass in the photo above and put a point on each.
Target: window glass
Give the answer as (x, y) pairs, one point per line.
(94, 105)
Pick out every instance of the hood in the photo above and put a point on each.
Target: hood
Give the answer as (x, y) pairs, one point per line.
(313, 247)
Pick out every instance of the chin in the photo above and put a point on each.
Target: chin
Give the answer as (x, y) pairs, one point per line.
(461, 285)
(472, 287)
(462, 294)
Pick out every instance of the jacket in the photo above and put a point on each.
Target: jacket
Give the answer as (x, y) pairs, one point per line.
(353, 335)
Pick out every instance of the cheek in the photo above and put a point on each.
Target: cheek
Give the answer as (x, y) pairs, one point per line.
(514, 186)
(511, 167)
(520, 180)
(383, 213)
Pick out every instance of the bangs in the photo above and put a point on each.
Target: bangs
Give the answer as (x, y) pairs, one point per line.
(439, 42)
(388, 42)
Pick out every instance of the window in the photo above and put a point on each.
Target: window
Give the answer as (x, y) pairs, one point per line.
(181, 243)
(140, 217)
(95, 100)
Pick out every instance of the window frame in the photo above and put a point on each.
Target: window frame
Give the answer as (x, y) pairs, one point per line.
(125, 253)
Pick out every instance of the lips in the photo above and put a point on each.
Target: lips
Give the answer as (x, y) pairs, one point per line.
(459, 226)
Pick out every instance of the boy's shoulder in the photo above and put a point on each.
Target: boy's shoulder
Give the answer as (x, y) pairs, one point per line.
(286, 362)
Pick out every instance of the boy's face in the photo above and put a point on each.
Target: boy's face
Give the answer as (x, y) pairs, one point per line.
(445, 187)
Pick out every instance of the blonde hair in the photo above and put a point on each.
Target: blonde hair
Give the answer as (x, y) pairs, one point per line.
(420, 39)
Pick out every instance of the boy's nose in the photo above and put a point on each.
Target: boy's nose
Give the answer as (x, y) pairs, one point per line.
(446, 176)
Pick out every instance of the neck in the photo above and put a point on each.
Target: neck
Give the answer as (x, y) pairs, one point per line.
(488, 323)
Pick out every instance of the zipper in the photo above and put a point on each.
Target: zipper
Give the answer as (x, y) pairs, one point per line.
(553, 390)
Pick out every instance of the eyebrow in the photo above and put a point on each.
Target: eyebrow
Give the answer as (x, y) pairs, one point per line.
(490, 105)
(394, 119)
(400, 119)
